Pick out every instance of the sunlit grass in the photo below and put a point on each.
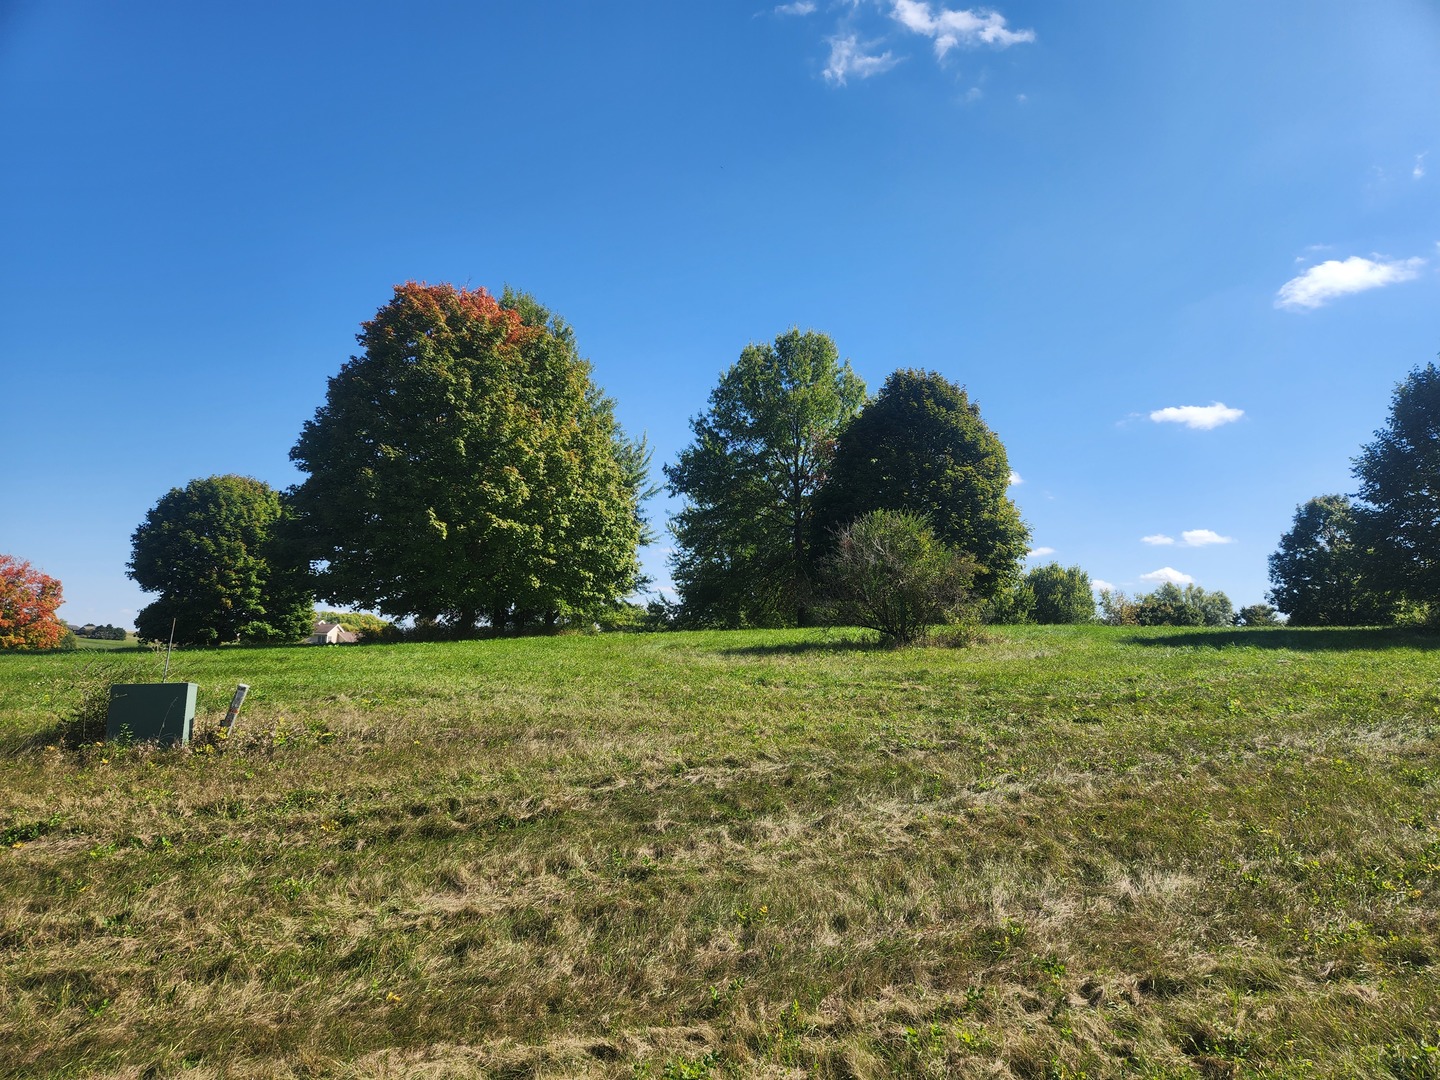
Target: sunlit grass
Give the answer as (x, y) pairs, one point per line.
(1059, 852)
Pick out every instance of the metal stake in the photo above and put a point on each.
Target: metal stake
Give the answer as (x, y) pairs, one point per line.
(239, 699)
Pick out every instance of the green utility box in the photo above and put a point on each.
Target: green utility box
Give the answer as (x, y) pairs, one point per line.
(151, 712)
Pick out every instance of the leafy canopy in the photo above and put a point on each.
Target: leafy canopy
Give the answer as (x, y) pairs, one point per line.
(1399, 472)
(211, 550)
(1257, 615)
(1319, 575)
(28, 601)
(750, 478)
(1060, 594)
(465, 467)
(922, 447)
(1169, 605)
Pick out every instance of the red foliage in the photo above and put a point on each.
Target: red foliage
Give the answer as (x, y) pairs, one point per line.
(416, 304)
(28, 600)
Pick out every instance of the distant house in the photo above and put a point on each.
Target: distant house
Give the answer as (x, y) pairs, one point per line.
(331, 633)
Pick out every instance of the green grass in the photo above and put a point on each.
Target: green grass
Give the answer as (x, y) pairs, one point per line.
(1061, 852)
(106, 644)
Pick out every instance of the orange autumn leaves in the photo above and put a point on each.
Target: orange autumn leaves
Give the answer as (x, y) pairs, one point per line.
(432, 307)
(28, 600)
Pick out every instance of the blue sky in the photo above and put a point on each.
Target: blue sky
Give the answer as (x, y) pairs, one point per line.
(1179, 253)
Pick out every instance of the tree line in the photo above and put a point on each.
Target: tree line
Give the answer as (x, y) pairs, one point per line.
(465, 473)
(1372, 559)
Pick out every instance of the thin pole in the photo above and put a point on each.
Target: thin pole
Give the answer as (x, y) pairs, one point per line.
(166, 674)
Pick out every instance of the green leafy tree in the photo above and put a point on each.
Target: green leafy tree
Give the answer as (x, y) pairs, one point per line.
(922, 447)
(750, 478)
(1215, 607)
(464, 468)
(890, 572)
(212, 551)
(1061, 594)
(1013, 604)
(1117, 608)
(1398, 527)
(1170, 605)
(1258, 615)
(1319, 575)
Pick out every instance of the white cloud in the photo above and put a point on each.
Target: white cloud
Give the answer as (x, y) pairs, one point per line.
(848, 57)
(1101, 585)
(1334, 277)
(1189, 538)
(1168, 574)
(1199, 417)
(1418, 172)
(961, 26)
(1204, 538)
(1015, 478)
(1035, 553)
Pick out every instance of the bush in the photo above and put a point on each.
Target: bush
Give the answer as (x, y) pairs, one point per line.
(1061, 594)
(891, 573)
(1258, 615)
(1168, 605)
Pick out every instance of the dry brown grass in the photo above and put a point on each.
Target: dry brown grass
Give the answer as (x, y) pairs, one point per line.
(1053, 854)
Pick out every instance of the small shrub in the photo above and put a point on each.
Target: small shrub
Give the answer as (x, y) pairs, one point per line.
(88, 693)
(891, 573)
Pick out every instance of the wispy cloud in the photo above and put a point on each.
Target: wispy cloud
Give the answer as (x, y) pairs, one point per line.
(1418, 172)
(1333, 278)
(848, 57)
(1015, 478)
(1199, 417)
(1101, 585)
(1035, 553)
(867, 36)
(950, 27)
(1168, 574)
(1192, 538)
(1204, 538)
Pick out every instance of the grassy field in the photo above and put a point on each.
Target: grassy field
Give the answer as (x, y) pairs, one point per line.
(105, 644)
(1060, 852)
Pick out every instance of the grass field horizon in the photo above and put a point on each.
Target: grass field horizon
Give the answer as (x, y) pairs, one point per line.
(1057, 852)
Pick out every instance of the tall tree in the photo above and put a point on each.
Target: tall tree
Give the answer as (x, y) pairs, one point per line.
(921, 446)
(465, 467)
(1399, 474)
(1319, 574)
(211, 550)
(749, 482)
(28, 601)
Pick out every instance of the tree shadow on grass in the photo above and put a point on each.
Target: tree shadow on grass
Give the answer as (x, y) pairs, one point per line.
(1296, 639)
(819, 645)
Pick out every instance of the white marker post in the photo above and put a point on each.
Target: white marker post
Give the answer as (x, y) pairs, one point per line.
(235, 703)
